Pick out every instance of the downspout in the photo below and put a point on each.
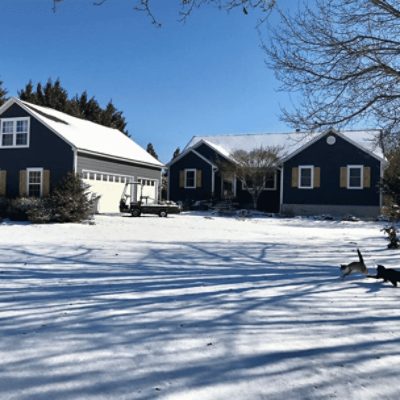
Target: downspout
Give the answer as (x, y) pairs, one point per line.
(75, 166)
(282, 169)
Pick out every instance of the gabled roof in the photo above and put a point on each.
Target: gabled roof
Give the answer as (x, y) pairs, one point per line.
(87, 136)
(291, 143)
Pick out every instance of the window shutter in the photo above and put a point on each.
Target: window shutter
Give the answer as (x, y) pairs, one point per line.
(46, 182)
(367, 177)
(22, 183)
(198, 178)
(295, 177)
(181, 179)
(343, 177)
(3, 182)
(317, 177)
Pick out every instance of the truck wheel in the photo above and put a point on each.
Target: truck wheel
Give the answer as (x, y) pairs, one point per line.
(135, 213)
(163, 213)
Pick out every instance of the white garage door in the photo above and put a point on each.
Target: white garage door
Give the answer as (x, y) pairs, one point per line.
(149, 190)
(108, 186)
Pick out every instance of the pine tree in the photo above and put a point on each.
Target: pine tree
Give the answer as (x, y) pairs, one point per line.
(69, 202)
(53, 95)
(27, 94)
(150, 150)
(3, 94)
(176, 153)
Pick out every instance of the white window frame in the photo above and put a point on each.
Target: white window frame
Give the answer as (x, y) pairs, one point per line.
(194, 178)
(14, 132)
(304, 167)
(28, 171)
(359, 167)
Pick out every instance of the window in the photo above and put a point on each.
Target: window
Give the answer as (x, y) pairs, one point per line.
(270, 181)
(190, 178)
(14, 132)
(306, 176)
(34, 182)
(354, 177)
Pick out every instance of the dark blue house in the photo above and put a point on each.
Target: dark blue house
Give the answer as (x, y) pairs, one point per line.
(335, 173)
(39, 146)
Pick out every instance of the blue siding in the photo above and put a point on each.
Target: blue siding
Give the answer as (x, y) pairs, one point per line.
(190, 160)
(330, 158)
(46, 150)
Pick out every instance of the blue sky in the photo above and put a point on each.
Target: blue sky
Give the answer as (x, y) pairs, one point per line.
(205, 76)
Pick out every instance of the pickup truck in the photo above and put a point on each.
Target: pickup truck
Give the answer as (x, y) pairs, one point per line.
(139, 207)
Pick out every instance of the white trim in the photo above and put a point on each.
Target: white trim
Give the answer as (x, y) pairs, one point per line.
(14, 133)
(184, 153)
(28, 170)
(304, 167)
(281, 190)
(185, 186)
(328, 132)
(359, 167)
(126, 178)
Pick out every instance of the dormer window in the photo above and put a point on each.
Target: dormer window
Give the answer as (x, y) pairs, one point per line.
(14, 132)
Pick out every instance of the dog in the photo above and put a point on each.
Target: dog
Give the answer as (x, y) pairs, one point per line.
(355, 266)
(387, 274)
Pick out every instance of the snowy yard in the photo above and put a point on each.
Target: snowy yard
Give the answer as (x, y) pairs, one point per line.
(195, 307)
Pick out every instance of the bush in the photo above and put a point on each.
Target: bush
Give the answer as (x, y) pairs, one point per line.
(4, 205)
(69, 201)
(18, 208)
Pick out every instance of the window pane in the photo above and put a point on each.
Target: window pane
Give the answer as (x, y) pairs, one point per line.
(354, 177)
(34, 190)
(7, 140)
(22, 139)
(190, 178)
(8, 127)
(34, 176)
(270, 181)
(305, 179)
(22, 126)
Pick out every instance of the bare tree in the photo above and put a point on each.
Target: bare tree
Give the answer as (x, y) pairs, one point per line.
(186, 7)
(342, 58)
(253, 168)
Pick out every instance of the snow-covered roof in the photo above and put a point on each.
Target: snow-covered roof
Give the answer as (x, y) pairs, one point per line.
(290, 143)
(88, 136)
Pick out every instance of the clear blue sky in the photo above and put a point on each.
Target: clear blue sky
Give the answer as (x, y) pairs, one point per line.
(207, 76)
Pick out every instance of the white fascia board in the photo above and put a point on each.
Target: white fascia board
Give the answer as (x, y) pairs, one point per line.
(37, 117)
(334, 131)
(190, 150)
(7, 104)
(202, 141)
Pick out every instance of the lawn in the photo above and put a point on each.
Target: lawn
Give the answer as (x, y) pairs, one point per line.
(196, 307)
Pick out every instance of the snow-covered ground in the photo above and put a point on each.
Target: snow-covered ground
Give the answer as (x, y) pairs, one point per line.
(196, 307)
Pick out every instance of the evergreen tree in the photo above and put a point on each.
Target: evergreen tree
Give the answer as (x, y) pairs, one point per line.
(3, 94)
(176, 153)
(53, 95)
(150, 150)
(27, 93)
(69, 201)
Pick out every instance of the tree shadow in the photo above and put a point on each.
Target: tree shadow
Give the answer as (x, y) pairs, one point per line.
(173, 320)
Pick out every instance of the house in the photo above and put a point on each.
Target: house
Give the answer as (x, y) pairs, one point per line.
(333, 172)
(39, 146)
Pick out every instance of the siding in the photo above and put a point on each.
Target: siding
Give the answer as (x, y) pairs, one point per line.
(190, 160)
(330, 158)
(102, 164)
(46, 150)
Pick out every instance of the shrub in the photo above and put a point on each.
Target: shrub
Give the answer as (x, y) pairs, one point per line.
(4, 204)
(18, 208)
(69, 201)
